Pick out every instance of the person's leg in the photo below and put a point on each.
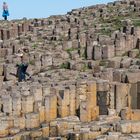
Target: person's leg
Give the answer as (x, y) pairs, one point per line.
(23, 77)
(5, 17)
(19, 77)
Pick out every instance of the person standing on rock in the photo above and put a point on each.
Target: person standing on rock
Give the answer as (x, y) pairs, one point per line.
(21, 70)
(5, 11)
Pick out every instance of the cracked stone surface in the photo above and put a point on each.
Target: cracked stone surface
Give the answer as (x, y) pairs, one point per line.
(85, 75)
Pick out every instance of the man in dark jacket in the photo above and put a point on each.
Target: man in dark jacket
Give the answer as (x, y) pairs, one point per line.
(21, 70)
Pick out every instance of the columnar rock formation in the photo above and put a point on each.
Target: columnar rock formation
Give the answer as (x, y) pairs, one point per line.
(85, 71)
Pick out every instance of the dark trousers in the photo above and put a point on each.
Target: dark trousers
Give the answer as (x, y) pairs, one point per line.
(21, 77)
(5, 17)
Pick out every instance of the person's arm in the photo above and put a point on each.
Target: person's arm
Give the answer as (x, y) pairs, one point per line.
(27, 74)
(25, 68)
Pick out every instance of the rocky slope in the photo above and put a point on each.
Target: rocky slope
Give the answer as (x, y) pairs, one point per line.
(85, 71)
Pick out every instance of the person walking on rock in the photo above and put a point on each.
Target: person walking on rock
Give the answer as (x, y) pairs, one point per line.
(5, 11)
(21, 70)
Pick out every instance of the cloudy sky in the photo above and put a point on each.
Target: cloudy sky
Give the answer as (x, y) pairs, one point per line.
(44, 8)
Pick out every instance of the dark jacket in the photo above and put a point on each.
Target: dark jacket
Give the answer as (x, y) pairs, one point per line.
(21, 71)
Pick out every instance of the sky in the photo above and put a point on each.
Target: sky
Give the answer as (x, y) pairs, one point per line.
(19, 9)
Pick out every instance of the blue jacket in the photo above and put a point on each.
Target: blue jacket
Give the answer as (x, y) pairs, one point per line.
(5, 13)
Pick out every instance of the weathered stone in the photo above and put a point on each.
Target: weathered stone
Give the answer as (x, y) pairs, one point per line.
(125, 63)
(84, 69)
(90, 52)
(72, 100)
(16, 102)
(117, 75)
(113, 135)
(50, 107)
(7, 104)
(135, 115)
(1, 70)
(108, 52)
(97, 52)
(135, 127)
(122, 96)
(134, 95)
(37, 92)
(107, 74)
(3, 131)
(61, 127)
(8, 71)
(133, 76)
(32, 121)
(46, 60)
(103, 102)
(14, 131)
(45, 90)
(85, 115)
(41, 114)
(114, 62)
(35, 134)
(126, 113)
(19, 122)
(45, 130)
(27, 104)
(102, 85)
(125, 127)
(133, 53)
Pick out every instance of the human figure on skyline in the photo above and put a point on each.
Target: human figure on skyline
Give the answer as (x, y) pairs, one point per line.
(5, 11)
